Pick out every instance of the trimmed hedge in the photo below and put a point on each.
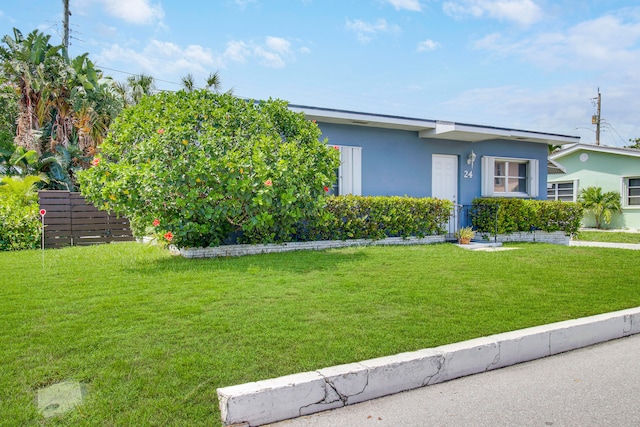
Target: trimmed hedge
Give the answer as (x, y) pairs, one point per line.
(366, 217)
(520, 215)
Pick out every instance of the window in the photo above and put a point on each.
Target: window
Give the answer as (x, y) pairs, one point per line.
(632, 192)
(564, 191)
(502, 177)
(349, 173)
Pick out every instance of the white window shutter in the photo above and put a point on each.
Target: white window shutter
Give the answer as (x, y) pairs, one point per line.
(488, 167)
(534, 174)
(350, 171)
(356, 171)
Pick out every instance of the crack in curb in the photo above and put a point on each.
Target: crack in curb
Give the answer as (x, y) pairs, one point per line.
(341, 397)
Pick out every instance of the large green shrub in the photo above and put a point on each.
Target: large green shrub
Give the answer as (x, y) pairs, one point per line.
(204, 169)
(360, 217)
(507, 215)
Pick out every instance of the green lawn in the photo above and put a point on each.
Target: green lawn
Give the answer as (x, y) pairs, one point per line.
(153, 335)
(609, 236)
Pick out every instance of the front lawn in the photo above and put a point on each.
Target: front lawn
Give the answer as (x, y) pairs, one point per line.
(153, 335)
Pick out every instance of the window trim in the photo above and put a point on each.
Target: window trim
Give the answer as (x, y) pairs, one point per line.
(625, 192)
(574, 183)
(488, 175)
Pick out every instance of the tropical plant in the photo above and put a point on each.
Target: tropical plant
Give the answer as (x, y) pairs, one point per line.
(602, 205)
(212, 83)
(188, 83)
(202, 168)
(23, 189)
(136, 88)
(34, 68)
(64, 108)
(465, 234)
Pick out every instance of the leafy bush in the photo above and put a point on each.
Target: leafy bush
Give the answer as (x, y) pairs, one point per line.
(19, 214)
(358, 217)
(518, 215)
(202, 169)
(602, 205)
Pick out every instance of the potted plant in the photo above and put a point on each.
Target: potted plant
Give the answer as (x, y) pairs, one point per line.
(464, 235)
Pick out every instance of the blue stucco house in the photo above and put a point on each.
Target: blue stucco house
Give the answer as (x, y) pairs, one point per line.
(391, 155)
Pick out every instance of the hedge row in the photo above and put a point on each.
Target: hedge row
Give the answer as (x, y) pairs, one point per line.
(518, 215)
(360, 217)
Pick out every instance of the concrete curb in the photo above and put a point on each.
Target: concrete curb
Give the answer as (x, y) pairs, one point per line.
(277, 399)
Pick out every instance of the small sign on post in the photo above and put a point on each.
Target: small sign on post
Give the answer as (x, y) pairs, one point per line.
(43, 212)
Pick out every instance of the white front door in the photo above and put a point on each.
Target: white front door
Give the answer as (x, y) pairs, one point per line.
(444, 183)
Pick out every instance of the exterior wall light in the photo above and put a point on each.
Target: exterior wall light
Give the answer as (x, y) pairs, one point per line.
(471, 159)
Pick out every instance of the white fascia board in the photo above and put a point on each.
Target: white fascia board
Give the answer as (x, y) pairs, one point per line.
(555, 168)
(363, 119)
(474, 133)
(596, 148)
(430, 128)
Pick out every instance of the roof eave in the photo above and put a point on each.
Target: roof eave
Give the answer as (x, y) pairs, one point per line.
(431, 128)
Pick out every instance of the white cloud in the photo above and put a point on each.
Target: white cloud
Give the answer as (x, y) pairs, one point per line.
(523, 12)
(413, 5)
(274, 52)
(366, 30)
(162, 58)
(269, 58)
(237, 51)
(278, 44)
(428, 45)
(134, 11)
(606, 43)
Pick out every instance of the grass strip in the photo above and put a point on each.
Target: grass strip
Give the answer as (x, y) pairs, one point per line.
(609, 236)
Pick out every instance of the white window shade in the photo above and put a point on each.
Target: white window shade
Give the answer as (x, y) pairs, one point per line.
(498, 187)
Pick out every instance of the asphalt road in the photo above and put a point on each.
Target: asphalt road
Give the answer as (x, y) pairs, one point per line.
(593, 386)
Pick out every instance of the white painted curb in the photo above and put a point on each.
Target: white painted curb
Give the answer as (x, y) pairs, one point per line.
(277, 399)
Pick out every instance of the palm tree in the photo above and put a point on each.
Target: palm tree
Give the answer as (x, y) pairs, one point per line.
(34, 68)
(139, 86)
(187, 83)
(214, 82)
(601, 205)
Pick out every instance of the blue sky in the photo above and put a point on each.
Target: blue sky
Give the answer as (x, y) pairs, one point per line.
(526, 64)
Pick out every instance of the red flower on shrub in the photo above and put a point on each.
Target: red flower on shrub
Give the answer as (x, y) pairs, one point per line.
(326, 189)
(95, 161)
(161, 131)
(336, 147)
(268, 183)
(156, 222)
(168, 235)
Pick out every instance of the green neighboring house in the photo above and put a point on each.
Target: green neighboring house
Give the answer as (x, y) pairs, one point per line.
(612, 169)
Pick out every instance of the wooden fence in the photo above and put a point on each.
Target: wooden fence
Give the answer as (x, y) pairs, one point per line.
(71, 221)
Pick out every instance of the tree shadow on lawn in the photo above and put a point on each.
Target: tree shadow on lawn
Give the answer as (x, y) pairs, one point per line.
(304, 261)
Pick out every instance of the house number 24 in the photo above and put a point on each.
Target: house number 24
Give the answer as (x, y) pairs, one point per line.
(468, 174)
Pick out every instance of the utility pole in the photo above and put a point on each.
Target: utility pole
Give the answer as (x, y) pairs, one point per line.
(595, 120)
(65, 26)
